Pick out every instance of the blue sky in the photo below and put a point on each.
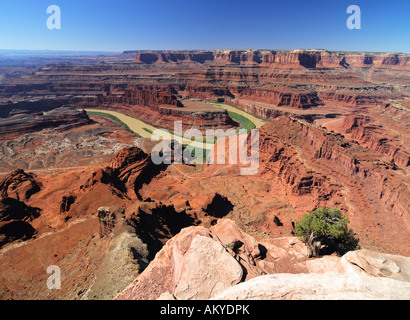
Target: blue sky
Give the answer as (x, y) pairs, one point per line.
(119, 25)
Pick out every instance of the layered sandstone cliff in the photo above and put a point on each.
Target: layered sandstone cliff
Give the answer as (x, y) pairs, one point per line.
(63, 118)
(361, 129)
(152, 96)
(294, 58)
(282, 96)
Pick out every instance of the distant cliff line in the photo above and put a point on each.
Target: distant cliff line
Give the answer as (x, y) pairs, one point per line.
(290, 58)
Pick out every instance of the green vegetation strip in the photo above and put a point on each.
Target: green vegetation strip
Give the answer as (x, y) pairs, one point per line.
(256, 120)
(148, 130)
(240, 109)
(112, 117)
(204, 140)
(140, 127)
(245, 122)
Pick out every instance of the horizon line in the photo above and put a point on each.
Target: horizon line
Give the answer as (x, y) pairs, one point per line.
(187, 50)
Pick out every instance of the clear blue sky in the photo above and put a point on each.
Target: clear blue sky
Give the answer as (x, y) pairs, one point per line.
(117, 25)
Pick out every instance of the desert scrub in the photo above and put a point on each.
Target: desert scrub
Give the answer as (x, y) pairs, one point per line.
(326, 227)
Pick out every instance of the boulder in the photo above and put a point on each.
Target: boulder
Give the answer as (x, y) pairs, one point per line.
(379, 264)
(206, 269)
(159, 276)
(245, 247)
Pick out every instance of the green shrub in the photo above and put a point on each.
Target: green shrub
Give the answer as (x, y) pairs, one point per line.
(326, 227)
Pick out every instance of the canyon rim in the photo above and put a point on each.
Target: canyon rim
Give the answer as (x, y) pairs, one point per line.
(176, 175)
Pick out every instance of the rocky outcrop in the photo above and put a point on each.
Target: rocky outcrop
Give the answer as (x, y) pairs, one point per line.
(156, 280)
(19, 185)
(128, 170)
(15, 221)
(339, 97)
(125, 260)
(264, 112)
(132, 167)
(15, 215)
(327, 286)
(226, 263)
(146, 96)
(379, 264)
(108, 218)
(189, 266)
(279, 159)
(199, 263)
(362, 129)
(63, 118)
(331, 163)
(155, 223)
(66, 203)
(201, 90)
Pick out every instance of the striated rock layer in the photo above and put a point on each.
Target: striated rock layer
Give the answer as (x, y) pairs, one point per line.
(64, 118)
(295, 58)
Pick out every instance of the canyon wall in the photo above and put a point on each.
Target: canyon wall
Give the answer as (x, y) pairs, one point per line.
(372, 193)
(361, 129)
(294, 58)
(280, 96)
(63, 118)
(145, 95)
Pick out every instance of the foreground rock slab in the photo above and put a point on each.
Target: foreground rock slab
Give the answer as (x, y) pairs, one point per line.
(379, 264)
(225, 263)
(200, 276)
(190, 266)
(315, 286)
